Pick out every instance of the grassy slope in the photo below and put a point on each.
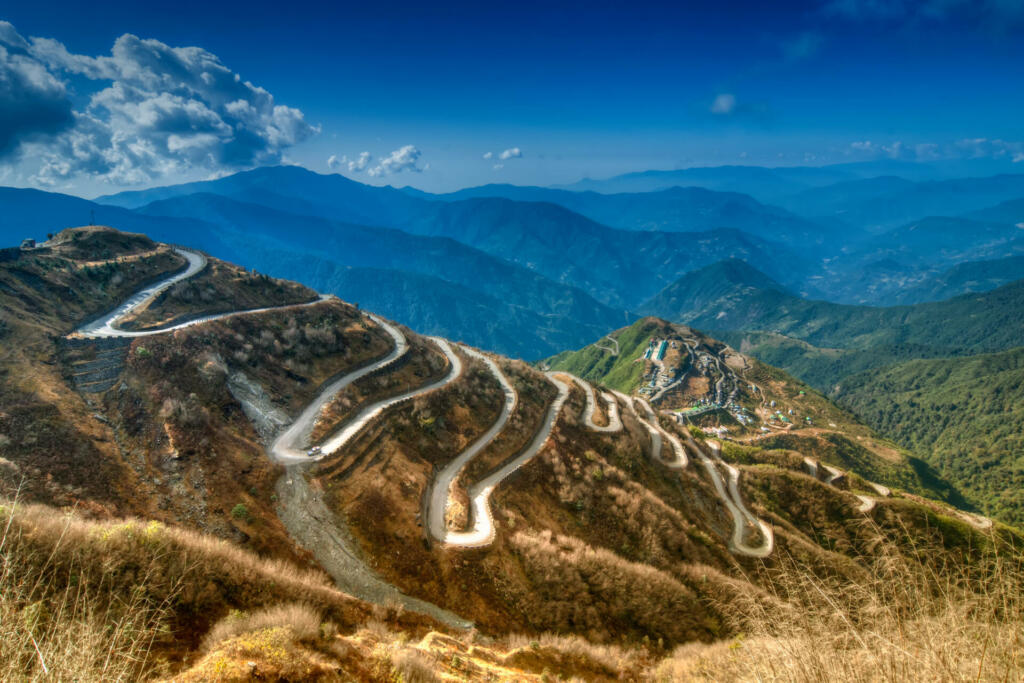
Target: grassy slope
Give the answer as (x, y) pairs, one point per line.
(619, 372)
(965, 416)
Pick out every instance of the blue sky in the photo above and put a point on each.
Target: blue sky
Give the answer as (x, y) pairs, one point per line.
(580, 89)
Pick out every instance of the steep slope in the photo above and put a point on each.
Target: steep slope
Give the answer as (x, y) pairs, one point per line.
(964, 416)
(315, 433)
(713, 386)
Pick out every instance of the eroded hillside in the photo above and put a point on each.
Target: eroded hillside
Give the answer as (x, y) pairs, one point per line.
(468, 489)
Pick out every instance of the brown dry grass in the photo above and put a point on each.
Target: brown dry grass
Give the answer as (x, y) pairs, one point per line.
(908, 621)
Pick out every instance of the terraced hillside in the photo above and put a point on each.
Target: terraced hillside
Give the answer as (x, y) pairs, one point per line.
(469, 489)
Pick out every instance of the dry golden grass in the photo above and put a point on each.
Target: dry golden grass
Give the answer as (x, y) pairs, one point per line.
(302, 620)
(911, 620)
(112, 600)
(71, 631)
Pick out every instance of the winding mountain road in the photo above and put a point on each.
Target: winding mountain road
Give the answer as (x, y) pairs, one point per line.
(614, 422)
(734, 503)
(440, 493)
(107, 325)
(481, 531)
(289, 446)
(334, 442)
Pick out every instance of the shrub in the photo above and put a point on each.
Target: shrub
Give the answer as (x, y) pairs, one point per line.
(240, 512)
(301, 620)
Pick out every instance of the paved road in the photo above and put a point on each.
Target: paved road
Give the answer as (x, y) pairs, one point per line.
(481, 531)
(614, 351)
(356, 424)
(734, 503)
(867, 504)
(303, 512)
(614, 422)
(107, 324)
(679, 461)
(290, 446)
(440, 492)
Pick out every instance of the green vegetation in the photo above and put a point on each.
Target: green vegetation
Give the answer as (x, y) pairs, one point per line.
(619, 372)
(964, 416)
(822, 342)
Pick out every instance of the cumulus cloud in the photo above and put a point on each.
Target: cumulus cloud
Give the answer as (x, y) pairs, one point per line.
(402, 159)
(334, 162)
(511, 153)
(498, 167)
(151, 110)
(34, 104)
(488, 155)
(359, 163)
(723, 104)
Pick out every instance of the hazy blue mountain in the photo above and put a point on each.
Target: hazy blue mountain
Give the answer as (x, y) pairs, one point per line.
(942, 240)
(703, 293)
(971, 323)
(295, 190)
(676, 209)
(773, 183)
(619, 267)
(972, 276)
(34, 213)
(833, 201)
(269, 239)
(932, 198)
(1010, 212)
(432, 305)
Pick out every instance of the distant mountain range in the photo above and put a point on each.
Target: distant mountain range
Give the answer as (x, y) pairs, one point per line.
(559, 266)
(731, 299)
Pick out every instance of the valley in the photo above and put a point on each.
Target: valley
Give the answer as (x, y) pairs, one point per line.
(416, 467)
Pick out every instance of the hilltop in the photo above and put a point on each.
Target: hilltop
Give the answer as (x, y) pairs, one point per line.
(466, 488)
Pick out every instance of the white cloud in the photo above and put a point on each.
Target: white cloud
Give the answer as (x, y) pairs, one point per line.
(402, 159)
(34, 104)
(334, 162)
(359, 164)
(511, 153)
(967, 148)
(152, 110)
(498, 167)
(488, 155)
(723, 103)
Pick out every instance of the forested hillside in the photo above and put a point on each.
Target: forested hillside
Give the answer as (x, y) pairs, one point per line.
(965, 416)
